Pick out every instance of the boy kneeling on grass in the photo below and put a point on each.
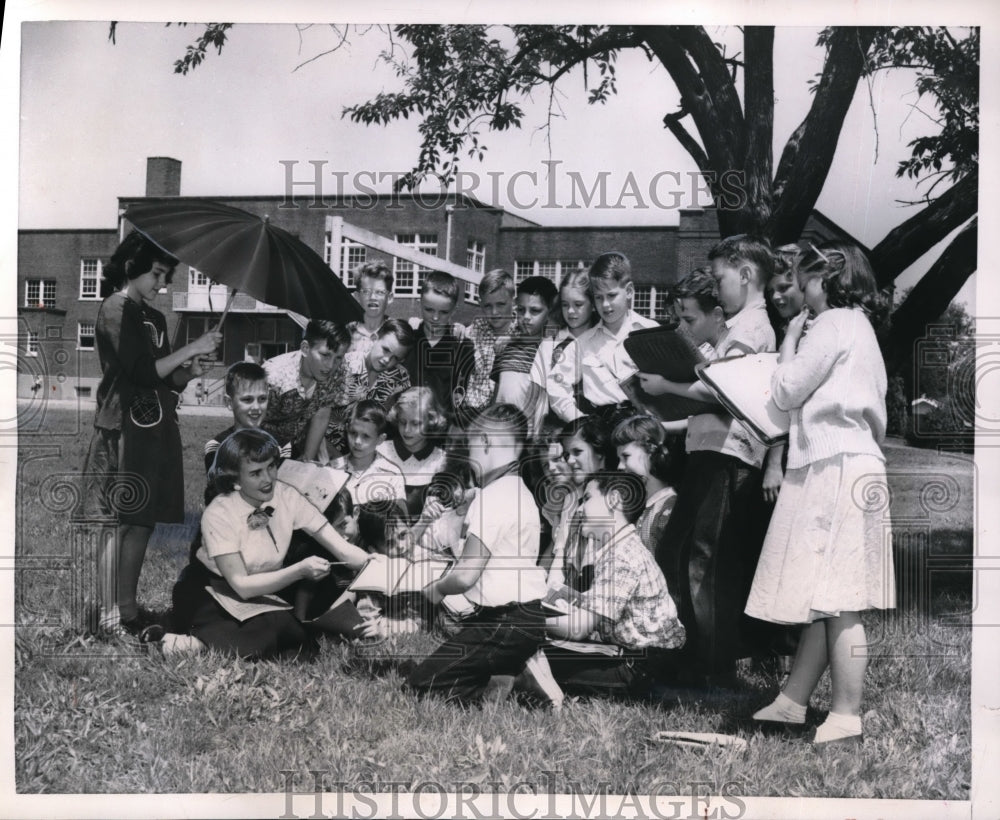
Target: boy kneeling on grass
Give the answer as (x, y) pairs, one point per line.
(626, 607)
(497, 571)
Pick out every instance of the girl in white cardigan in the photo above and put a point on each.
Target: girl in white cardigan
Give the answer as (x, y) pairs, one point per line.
(828, 551)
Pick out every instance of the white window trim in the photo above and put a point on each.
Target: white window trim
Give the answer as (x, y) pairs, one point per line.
(79, 335)
(421, 244)
(97, 279)
(41, 292)
(31, 339)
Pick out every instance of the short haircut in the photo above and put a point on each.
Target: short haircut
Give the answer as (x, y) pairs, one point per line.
(376, 519)
(370, 411)
(595, 433)
(746, 249)
(243, 373)
(649, 434)
(428, 406)
(249, 444)
(494, 280)
(701, 286)
(323, 330)
(612, 266)
(341, 506)
(374, 269)
(454, 478)
(630, 488)
(848, 278)
(503, 419)
(539, 286)
(398, 328)
(444, 284)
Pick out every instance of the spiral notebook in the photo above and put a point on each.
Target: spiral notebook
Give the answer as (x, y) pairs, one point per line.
(742, 384)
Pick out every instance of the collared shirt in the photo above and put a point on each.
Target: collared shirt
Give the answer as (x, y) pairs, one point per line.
(381, 482)
(556, 370)
(629, 595)
(290, 404)
(225, 529)
(362, 339)
(603, 361)
(504, 517)
(419, 467)
(442, 365)
(747, 331)
(480, 387)
(653, 519)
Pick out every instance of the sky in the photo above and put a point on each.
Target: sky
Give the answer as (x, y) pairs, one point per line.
(92, 111)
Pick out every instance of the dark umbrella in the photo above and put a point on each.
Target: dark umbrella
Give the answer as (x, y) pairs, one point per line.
(248, 254)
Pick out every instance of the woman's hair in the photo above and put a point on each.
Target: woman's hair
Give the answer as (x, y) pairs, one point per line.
(579, 279)
(649, 434)
(132, 258)
(248, 444)
(428, 406)
(848, 279)
(594, 432)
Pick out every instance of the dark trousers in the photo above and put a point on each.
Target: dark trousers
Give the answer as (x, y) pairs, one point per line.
(709, 553)
(625, 676)
(491, 641)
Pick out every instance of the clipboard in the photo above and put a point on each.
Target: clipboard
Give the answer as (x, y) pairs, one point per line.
(742, 384)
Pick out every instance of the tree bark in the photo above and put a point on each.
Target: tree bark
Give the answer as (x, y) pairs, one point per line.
(931, 296)
(808, 156)
(758, 83)
(907, 242)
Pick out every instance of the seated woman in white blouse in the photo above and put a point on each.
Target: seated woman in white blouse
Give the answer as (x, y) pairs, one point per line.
(238, 601)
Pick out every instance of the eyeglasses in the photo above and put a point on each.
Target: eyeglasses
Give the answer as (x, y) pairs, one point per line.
(370, 292)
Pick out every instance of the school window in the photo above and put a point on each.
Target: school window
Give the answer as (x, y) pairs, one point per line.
(407, 275)
(352, 254)
(85, 336)
(553, 269)
(30, 343)
(571, 266)
(90, 276)
(644, 300)
(522, 270)
(475, 259)
(40, 293)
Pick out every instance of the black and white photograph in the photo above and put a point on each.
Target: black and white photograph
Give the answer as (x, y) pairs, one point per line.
(473, 411)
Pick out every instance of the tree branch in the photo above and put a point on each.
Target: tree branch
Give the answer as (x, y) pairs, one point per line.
(684, 137)
(932, 295)
(907, 242)
(808, 155)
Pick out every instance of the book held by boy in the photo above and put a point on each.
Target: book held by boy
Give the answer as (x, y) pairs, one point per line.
(742, 384)
(395, 575)
(668, 353)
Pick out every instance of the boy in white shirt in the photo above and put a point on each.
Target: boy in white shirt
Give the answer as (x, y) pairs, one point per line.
(497, 571)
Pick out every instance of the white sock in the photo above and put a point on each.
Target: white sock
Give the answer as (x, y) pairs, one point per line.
(173, 643)
(783, 710)
(110, 618)
(837, 727)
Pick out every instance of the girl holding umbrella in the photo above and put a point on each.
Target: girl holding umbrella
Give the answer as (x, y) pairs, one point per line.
(136, 406)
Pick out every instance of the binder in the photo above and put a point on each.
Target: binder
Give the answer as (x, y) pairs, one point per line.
(742, 384)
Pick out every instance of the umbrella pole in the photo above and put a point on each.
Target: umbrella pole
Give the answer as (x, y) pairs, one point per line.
(225, 313)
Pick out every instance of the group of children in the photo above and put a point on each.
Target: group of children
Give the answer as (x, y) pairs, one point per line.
(592, 553)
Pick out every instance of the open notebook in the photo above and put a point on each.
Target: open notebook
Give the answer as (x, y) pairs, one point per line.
(392, 576)
(742, 384)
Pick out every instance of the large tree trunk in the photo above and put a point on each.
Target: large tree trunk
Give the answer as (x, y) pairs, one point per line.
(755, 210)
(930, 297)
(907, 242)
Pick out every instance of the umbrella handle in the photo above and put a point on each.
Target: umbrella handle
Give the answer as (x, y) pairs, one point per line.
(229, 304)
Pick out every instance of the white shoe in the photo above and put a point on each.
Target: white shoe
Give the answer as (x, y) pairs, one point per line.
(536, 679)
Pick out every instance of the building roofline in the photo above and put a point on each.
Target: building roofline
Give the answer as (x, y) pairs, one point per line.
(67, 230)
(617, 228)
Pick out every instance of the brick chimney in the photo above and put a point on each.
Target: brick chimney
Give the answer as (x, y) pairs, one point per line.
(163, 176)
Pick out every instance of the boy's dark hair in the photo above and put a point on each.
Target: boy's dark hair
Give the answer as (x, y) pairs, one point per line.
(398, 328)
(454, 478)
(501, 418)
(647, 432)
(341, 506)
(441, 283)
(243, 373)
(612, 265)
(630, 488)
(746, 248)
(595, 433)
(134, 256)
(540, 286)
(375, 520)
(374, 269)
(323, 330)
(368, 410)
(848, 278)
(248, 444)
(701, 286)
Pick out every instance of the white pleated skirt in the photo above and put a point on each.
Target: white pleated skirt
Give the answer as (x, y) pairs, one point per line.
(829, 545)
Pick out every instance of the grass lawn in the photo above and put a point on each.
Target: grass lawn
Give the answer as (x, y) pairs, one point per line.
(90, 717)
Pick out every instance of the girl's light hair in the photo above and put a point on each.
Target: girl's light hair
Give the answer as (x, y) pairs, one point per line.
(426, 403)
